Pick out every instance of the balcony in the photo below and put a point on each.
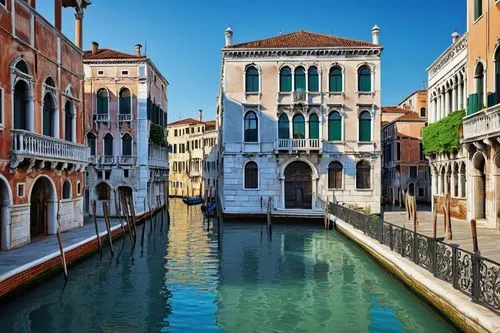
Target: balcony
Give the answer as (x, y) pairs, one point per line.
(107, 160)
(158, 156)
(298, 145)
(101, 117)
(124, 117)
(28, 145)
(483, 124)
(127, 160)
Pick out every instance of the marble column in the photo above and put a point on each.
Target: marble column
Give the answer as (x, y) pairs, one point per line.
(282, 186)
(438, 107)
(447, 103)
(454, 98)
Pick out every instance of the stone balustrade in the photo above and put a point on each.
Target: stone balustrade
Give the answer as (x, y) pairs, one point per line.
(158, 156)
(482, 124)
(298, 144)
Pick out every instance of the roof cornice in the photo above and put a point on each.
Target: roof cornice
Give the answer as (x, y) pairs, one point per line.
(298, 52)
(447, 55)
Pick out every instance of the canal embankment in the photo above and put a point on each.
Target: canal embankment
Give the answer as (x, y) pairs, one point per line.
(452, 303)
(28, 265)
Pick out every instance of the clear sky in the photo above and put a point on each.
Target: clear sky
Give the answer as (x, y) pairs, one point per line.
(184, 37)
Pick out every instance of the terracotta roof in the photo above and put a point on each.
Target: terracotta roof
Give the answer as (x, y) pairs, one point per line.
(109, 54)
(395, 109)
(411, 116)
(210, 125)
(304, 39)
(187, 121)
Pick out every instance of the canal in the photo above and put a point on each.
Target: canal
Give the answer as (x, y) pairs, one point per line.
(180, 277)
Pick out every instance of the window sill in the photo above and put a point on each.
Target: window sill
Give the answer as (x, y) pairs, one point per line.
(336, 189)
(252, 93)
(481, 16)
(371, 93)
(336, 93)
(251, 189)
(364, 189)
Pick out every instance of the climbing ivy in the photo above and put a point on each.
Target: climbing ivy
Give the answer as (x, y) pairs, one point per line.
(444, 135)
(157, 135)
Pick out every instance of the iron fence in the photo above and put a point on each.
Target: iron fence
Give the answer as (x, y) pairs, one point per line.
(470, 273)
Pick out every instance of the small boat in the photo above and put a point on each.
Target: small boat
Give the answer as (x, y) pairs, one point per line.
(192, 200)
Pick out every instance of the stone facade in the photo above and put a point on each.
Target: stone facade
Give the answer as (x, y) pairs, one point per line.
(126, 96)
(42, 156)
(321, 112)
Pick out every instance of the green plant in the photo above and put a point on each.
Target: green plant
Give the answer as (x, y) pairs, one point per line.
(444, 135)
(157, 135)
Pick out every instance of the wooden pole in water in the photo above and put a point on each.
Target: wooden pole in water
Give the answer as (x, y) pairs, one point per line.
(105, 209)
(132, 211)
(448, 211)
(127, 216)
(444, 205)
(59, 240)
(95, 223)
(475, 245)
(119, 211)
(434, 229)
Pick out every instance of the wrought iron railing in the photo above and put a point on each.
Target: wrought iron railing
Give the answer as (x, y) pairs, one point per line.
(470, 273)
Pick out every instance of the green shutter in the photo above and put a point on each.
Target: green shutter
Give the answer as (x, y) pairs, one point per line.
(299, 127)
(365, 83)
(313, 83)
(285, 80)
(365, 130)
(335, 130)
(300, 80)
(313, 127)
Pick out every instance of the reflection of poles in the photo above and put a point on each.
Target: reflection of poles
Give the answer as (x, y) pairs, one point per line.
(95, 223)
(59, 240)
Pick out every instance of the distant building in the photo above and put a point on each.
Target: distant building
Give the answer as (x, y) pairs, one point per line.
(405, 168)
(126, 109)
(42, 156)
(481, 126)
(193, 157)
(447, 92)
(299, 116)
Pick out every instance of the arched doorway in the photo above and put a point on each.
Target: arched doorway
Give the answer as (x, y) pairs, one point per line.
(42, 208)
(5, 202)
(479, 186)
(298, 185)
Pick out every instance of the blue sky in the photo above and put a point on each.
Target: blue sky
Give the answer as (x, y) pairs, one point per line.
(184, 37)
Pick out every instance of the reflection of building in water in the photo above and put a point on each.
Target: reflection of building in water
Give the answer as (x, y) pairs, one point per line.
(193, 159)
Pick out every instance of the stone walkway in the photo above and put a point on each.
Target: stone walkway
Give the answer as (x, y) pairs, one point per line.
(16, 258)
(488, 239)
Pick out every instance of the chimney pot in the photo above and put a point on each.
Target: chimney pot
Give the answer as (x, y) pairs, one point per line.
(229, 36)
(200, 115)
(95, 48)
(375, 35)
(454, 37)
(138, 48)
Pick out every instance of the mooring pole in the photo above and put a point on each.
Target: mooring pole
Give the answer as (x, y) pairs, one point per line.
(95, 223)
(59, 240)
(105, 209)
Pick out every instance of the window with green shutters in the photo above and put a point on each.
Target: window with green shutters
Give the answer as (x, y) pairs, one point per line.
(313, 79)
(285, 79)
(283, 127)
(251, 127)
(252, 79)
(49, 108)
(364, 79)
(478, 9)
(335, 79)
(126, 145)
(479, 77)
(365, 127)
(299, 127)
(108, 145)
(91, 142)
(334, 126)
(314, 126)
(300, 79)
(125, 101)
(68, 121)
(102, 101)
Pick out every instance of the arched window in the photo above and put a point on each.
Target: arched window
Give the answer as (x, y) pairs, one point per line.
(66, 193)
(365, 127)
(91, 142)
(299, 127)
(335, 79)
(285, 79)
(313, 126)
(22, 67)
(251, 127)
(364, 79)
(312, 79)
(479, 77)
(126, 145)
(423, 112)
(251, 175)
(334, 126)
(49, 115)
(108, 145)
(69, 114)
(283, 127)
(50, 82)
(363, 171)
(21, 105)
(497, 76)
(103, 191)
(125, 101)
(300, 79)
(335, 175)
(252, 79)
(102, 101)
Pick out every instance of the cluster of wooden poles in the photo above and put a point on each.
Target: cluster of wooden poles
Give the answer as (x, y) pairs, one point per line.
(125, 208)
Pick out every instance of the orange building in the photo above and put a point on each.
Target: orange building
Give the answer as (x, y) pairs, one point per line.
(41, 123)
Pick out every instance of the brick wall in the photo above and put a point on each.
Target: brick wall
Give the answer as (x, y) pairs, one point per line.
(458, 207)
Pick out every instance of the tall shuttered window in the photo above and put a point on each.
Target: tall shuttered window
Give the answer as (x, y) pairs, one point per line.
(314, 126)
(334, 126)
(251, 175)
(299, 127)
(313, 79)
(365, 127)
(478, 9)
(125, 101)
(479, 77)
(364, 79)
(252, 79)
(363, 171)
(497, 78)
(283, 127)
(335, 79)
(102, 101)
(251, 127)
(91, 142)
(126, 145)
(300, 79)
(285, 79)
(108, 145)
(335, 175)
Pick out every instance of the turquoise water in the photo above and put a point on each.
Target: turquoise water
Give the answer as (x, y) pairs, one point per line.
(184, 279)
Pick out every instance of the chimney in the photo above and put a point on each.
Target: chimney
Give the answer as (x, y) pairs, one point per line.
(375, 35)
(32, 4)
(200, 115)
(454, 37)
(229, 36)
(58, 14)
(95, 47)
(138, 48)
